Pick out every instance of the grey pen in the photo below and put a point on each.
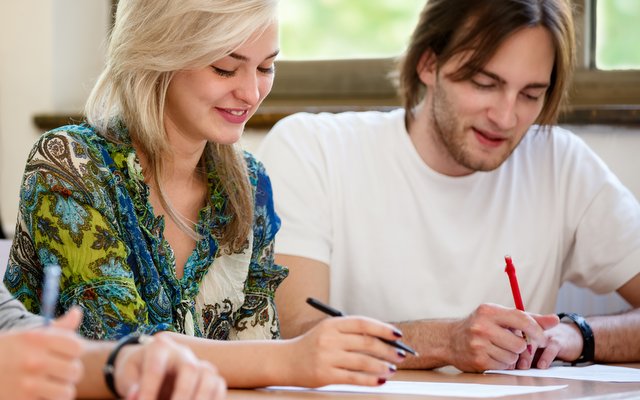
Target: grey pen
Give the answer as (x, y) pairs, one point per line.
(50, 291)
(318, 305)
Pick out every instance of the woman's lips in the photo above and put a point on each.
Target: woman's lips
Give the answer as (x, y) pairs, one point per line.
(234, 115)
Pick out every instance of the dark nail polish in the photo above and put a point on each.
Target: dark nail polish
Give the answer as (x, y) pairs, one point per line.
(402, 353)
(397, 333)
(393, 368)
(382, 381)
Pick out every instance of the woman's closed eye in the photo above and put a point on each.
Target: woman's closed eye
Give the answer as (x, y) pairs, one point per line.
(223, 72)
(228, 74)
(268, 70)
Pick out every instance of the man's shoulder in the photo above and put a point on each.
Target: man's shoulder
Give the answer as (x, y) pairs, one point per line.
(553, 149)
(325, 123)
(550, 138)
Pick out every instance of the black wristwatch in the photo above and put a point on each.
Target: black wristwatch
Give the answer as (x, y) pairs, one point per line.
(109, 366)
(588, 341)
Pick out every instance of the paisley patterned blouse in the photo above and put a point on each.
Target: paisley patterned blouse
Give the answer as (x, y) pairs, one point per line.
(84, 205)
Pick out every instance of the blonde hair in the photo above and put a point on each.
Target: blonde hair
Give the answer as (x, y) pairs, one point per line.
(448, 27)
(150, 41)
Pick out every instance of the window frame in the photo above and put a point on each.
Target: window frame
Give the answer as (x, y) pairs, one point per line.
(596, 96)
(355, 84)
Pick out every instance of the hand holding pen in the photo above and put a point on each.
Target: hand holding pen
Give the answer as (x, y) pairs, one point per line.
(515, 291)
(346, 350)
(332, 312)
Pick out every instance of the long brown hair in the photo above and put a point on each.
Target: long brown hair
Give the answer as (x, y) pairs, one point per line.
(150, 41)
(448, 27)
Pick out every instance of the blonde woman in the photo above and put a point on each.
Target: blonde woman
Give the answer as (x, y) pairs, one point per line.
(159, 222)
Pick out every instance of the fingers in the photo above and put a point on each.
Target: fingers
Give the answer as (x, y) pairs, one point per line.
(546, 321)
(63, 343)
(187, 379)
(64, 370)
(166, 364)
(549, 354)
(70, 320)
(47, 389)
(211, 384)
(343, 350)
(357, 335)
(154, 360)
(367, 326)
(492, 338)
(347, 377)
(367, 365)
(531, 325)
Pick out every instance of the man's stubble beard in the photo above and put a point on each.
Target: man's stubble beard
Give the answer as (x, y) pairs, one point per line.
(449, 135)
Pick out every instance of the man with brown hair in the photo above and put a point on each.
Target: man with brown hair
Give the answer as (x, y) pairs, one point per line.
(408, 215)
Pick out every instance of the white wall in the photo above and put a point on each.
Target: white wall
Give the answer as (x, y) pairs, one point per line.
(51, 51)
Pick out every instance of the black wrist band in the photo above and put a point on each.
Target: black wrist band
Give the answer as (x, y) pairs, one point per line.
(109, 366)
(588, 341)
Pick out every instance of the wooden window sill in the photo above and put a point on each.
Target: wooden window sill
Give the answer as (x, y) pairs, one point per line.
(268, 115)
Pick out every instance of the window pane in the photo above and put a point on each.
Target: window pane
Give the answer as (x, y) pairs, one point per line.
(333, 29)
(618, 33)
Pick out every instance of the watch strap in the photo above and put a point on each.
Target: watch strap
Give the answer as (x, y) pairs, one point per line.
(588, 340)
(109, 367)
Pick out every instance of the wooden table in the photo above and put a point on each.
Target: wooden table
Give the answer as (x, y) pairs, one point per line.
(575, 389)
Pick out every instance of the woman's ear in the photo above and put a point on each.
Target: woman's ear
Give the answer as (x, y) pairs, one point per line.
(427, 68)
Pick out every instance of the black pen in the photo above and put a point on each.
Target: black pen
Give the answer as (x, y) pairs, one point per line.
(318, 305)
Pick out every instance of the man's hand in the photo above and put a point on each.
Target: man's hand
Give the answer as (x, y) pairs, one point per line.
(43, 363)
(164, 369)
(491, 338)
(564, 342)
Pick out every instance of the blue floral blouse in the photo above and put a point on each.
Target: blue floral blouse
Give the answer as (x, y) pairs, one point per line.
(84, 205)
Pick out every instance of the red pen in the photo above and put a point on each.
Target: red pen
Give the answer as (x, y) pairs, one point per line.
(515, 290)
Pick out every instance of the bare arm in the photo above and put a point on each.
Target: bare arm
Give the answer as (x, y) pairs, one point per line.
(479, 342)
(144, 369)
(336, 350)
(616, 336)
(316, 350)
(483, 340)
(307, 278)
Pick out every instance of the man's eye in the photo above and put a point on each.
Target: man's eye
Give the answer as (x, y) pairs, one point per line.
(482, 85)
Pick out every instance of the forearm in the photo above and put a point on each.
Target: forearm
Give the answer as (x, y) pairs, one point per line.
(431, 339)
(243, 364)
(93, 385)
(298, 327)
(616, 337)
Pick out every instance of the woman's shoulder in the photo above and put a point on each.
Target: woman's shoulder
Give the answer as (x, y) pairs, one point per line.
(70, 152)
(255, 168)
(66, 141)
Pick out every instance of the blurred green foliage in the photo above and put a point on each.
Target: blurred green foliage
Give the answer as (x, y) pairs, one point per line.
(618, 34)
(334, 29)
(330, 29)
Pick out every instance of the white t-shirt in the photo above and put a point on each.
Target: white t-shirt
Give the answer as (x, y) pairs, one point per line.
(404, 242)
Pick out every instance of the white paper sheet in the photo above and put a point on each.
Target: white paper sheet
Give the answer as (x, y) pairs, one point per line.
(471, 390)
(595, 372)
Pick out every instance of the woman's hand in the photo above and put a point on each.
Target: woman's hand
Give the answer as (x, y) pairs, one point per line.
(343, 350)
(164, 369)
